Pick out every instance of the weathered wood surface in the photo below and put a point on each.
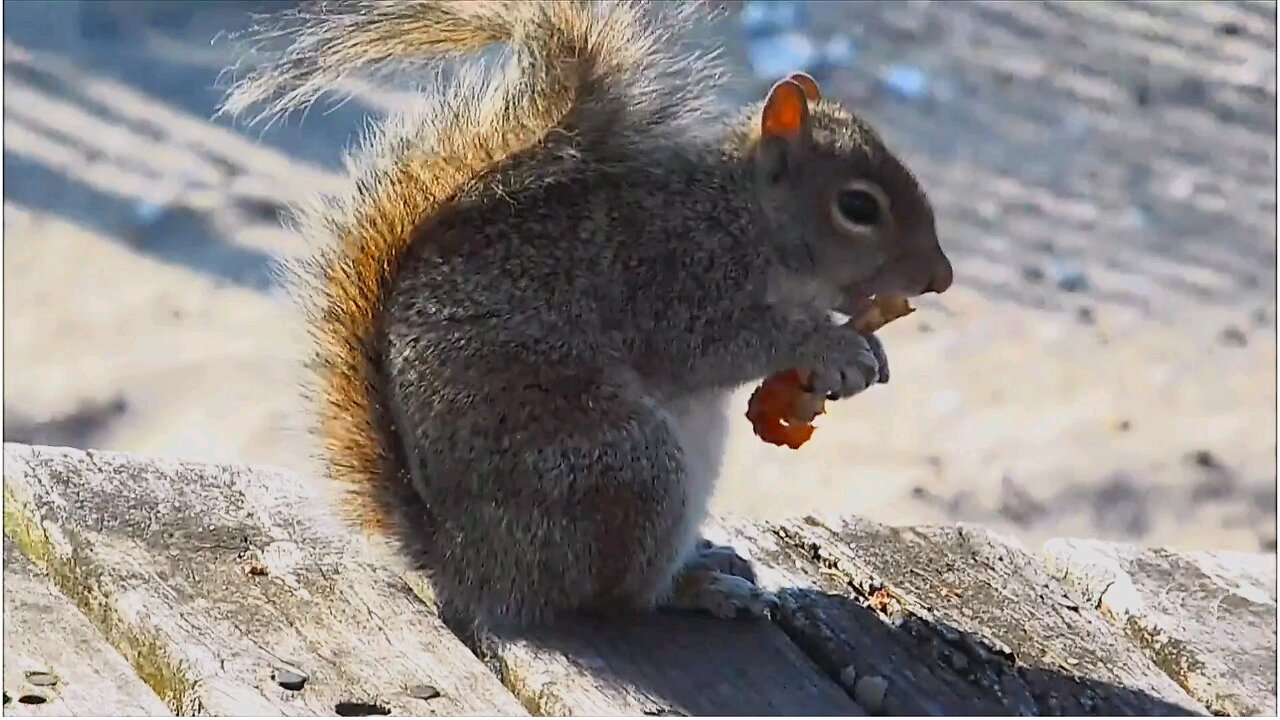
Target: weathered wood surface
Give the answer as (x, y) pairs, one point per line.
(1208, 619)
(950, 621)
(666, 664)
(225, 589)
(165, 548)
(55, 662)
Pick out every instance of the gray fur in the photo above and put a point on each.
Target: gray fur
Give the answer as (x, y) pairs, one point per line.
(578, 293)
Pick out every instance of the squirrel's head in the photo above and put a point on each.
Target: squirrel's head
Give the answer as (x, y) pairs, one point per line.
(850, 218)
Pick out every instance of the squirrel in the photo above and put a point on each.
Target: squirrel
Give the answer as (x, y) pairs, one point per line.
(532, 302)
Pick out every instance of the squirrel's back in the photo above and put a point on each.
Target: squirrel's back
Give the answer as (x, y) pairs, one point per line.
(580, 82)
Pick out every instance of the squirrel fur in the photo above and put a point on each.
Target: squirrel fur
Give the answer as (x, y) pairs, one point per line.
(533, 301)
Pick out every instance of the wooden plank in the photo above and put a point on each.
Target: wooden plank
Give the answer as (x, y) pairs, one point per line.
(660, 664)
(1207, 618)
(70, 671)
(666, 664)
(948, 621)
(228, 588)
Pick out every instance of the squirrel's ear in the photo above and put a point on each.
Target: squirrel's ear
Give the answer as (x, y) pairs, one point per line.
(786, 111)
(808, 84)
(785, 132)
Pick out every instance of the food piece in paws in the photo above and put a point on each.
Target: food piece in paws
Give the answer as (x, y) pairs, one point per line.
(880, 312)
(781, 412)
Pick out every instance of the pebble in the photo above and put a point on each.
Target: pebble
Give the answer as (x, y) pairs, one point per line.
(1232, 336)
(849, 677)
(289, 679)
(869, 692)
(261, 209)
(42, 679)
(1229, 27)
(1085, 316)
(1205, 459)
(424, 692)
(1068, 277)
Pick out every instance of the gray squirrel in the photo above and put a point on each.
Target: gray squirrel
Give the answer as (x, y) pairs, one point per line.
(532, 302)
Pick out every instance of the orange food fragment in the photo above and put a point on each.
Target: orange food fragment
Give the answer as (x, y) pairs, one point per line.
(882, 312)
(781, 412)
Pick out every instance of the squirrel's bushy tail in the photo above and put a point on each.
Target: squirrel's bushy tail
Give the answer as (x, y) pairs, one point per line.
(597, 76)
(591, 58)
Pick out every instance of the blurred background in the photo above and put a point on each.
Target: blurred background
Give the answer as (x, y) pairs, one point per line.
(1104, 176)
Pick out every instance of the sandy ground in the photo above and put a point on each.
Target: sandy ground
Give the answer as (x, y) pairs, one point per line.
(1105, 181)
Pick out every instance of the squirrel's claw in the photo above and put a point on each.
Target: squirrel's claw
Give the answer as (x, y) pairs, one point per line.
(845, 377)
(882, 358)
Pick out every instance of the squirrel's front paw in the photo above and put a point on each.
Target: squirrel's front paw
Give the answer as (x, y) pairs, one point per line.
(858, 363)
(723, 595)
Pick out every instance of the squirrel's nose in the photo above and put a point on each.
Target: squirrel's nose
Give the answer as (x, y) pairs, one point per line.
(942, 276)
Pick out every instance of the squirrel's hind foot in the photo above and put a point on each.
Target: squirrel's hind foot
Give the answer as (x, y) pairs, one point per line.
(716, 579)
(724, 595)
(721, 558)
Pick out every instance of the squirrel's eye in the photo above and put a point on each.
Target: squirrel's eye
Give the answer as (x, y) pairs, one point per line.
(858, 206)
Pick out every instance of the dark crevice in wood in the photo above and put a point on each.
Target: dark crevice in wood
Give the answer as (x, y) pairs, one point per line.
(855, 623)
(956, 658)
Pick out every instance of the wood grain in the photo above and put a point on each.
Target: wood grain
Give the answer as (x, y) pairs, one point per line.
(952, 621)
(55, 661)
(660, 664)
(1206, 618)
(226, 589)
